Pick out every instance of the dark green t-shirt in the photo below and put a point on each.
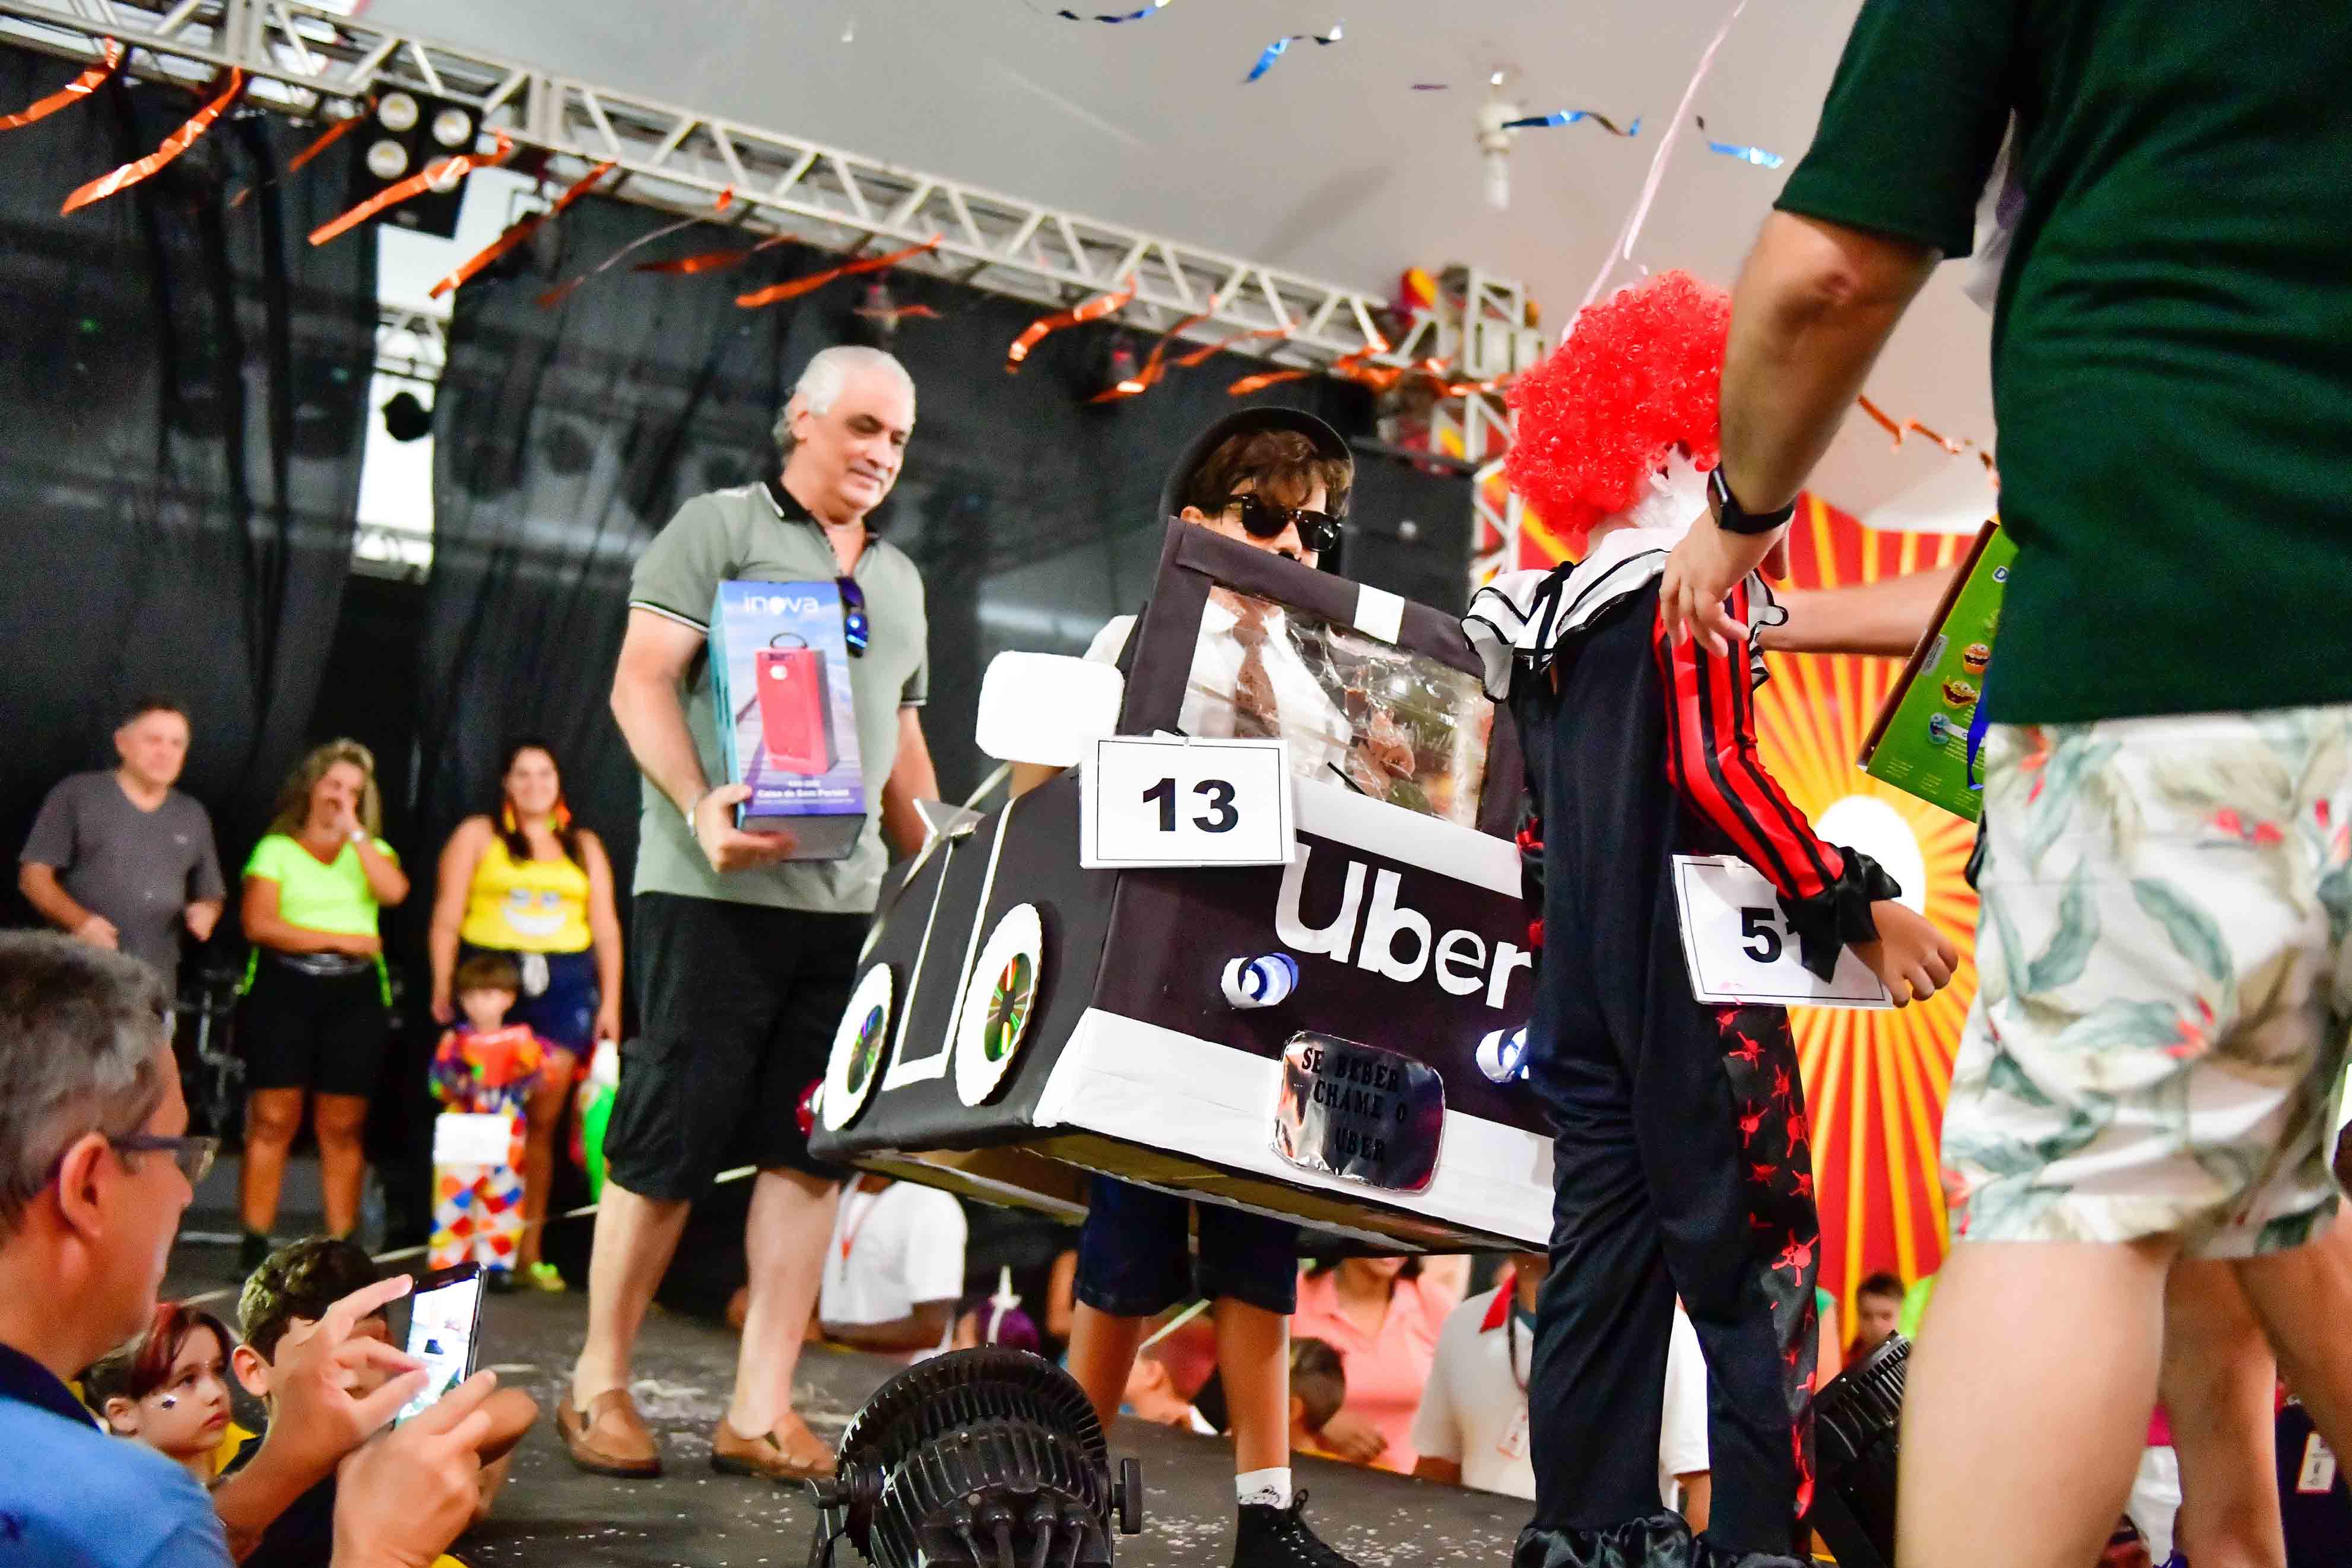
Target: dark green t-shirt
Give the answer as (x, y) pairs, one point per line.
(2172, 345)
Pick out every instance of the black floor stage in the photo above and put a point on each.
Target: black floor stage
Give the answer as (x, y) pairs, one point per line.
(553, 1514)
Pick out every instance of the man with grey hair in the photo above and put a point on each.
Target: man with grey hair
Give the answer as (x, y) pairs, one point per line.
(95, 1168)
(743, 957)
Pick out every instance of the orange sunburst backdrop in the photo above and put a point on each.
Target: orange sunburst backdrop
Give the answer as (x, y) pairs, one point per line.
(1874, 1082)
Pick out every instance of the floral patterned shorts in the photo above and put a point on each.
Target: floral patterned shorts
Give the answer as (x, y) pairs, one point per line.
(2165, 953)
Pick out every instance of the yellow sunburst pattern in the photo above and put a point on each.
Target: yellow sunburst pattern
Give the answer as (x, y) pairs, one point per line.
(1874, 1082)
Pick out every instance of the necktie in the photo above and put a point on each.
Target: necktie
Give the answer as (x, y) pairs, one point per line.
(1254, 707)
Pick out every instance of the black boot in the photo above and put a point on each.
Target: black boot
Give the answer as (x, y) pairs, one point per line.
(1660, 1541)
(1271, 1537)
(252, 1253)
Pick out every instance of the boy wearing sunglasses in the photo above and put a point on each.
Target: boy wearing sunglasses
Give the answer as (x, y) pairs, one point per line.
(1277, 479)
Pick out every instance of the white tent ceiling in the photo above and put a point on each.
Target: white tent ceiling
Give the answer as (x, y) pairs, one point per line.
(1331, 165)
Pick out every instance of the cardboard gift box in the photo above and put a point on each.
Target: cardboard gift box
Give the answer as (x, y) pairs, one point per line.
(1018, 1020)
(787, 720)
(1920, 741)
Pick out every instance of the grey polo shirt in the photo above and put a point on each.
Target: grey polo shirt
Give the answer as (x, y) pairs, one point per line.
(746, 534)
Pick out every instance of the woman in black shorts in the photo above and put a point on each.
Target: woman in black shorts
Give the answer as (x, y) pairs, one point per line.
(316, 1018)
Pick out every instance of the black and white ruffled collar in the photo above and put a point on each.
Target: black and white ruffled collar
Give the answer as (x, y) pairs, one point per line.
(1519, 622)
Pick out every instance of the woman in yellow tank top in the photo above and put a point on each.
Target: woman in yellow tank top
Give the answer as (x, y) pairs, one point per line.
(526, 881)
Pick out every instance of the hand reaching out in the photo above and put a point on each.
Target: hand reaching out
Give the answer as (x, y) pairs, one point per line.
(1911, 958)
(401, 1499)
(1352, 1437)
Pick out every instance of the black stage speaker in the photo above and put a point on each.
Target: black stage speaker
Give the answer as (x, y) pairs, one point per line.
(1410, 526)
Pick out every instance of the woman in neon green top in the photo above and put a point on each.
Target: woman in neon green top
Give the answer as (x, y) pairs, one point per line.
(315, 1024)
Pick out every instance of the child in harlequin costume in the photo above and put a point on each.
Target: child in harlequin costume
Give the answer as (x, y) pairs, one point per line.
(1681, 1161)
(484, 1067)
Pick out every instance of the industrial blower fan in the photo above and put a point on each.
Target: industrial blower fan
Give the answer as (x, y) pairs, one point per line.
(979, 1458)
(1856, 1417)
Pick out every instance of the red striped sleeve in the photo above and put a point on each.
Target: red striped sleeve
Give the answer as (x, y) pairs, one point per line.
(1711, 761)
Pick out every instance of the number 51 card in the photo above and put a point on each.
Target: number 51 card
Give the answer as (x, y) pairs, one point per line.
(1171, 801)
(1740, 949)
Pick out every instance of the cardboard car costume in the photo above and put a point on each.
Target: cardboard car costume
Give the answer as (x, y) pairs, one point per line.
(1333, 1040)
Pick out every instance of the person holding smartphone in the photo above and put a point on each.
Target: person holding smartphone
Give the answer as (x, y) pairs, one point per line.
(316, 1017)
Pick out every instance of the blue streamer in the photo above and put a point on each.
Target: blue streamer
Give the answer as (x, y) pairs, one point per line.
(1569, 117)
(1274, 51)
(1099, 16)
(1739, 150)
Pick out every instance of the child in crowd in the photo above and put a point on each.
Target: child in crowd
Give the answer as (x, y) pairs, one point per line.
(1878, 1310)
(279, 1307)
(484, 1067)
(1319, 1386)
(169, 1389)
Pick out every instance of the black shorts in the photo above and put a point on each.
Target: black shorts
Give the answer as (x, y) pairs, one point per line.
(323, 1033)
(739, 1004)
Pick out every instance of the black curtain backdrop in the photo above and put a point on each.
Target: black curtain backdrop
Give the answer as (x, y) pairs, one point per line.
(567, 437)
(183, 403)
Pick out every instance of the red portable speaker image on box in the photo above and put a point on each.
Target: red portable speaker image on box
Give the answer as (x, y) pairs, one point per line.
(796, 708)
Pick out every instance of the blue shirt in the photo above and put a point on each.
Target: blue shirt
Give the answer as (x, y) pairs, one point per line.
(73, 1497)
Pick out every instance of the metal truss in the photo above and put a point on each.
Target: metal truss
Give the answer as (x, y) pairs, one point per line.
(413, 344)
(311, 62)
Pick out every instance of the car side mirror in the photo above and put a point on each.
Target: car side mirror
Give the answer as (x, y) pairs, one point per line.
(1045, 708)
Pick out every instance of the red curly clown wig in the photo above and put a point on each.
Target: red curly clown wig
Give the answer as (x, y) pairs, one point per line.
(1640, 373)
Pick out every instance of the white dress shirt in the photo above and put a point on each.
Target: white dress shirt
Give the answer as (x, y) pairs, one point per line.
(1319, 733)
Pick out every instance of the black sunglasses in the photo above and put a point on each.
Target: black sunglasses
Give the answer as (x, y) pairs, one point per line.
(1317, 530)
(855, 628)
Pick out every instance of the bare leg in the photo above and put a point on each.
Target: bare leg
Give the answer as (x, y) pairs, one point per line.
(340, 1122)
(1102, 1353)
(634, 1238)
(272, 1117)
(544, 1120)
(792, 1216)
(2028, 1405)
(1253, 1358)
(2216, 1382)
(2304, 1299)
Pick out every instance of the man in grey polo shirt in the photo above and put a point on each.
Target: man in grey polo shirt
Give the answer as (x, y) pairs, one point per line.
(743, 959)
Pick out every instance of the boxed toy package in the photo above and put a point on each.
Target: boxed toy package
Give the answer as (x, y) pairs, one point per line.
(787, 721)
(1920, 743)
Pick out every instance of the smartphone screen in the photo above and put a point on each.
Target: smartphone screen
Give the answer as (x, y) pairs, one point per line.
(445, 1319)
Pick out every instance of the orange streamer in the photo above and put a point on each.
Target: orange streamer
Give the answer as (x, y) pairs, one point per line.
(432, 174)
(319, 144)
(1899, 428)
(799, 286)
(82, 86)
(562, 290)
(1153, 368)
(1201, 355)
(1264, 379)
(518, 232)
(1348, 367)
(709, 260)
(1093, 309)
(177, 142)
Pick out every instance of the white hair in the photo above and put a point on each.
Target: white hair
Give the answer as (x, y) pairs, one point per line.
(824, 377)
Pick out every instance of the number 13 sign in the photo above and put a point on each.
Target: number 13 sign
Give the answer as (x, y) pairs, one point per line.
(1741, 949)
(1169, 801)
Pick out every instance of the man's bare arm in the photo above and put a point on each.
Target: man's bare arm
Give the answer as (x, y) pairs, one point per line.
(1888, 616)
(655, 654)
(923, 1329)
(912, 778)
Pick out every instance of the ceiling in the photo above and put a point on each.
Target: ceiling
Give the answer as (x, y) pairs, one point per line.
(1331, 165)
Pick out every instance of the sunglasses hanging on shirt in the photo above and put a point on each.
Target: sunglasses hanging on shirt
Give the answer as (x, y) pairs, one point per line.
(1317, 530)
(855, 630)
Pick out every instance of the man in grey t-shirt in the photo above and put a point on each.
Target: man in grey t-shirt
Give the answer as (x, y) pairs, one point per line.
(119, 858)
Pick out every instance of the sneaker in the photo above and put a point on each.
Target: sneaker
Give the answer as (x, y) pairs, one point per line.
(543, 1276)
(252, 1253)
(498, 1282)
(1271, 1537)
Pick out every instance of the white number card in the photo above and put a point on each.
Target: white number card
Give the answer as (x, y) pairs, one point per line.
(1740, 949)
(1169, 801)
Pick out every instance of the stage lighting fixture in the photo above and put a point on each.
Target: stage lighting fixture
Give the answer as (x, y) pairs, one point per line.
(405, 419)
(409, 131)
(979, 1458)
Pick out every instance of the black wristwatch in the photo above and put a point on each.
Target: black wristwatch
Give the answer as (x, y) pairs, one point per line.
(1733, 517)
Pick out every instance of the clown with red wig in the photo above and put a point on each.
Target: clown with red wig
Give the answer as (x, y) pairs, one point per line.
(1682, 1166)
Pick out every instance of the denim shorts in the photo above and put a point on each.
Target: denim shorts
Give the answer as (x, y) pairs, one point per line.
(1134, 1254)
